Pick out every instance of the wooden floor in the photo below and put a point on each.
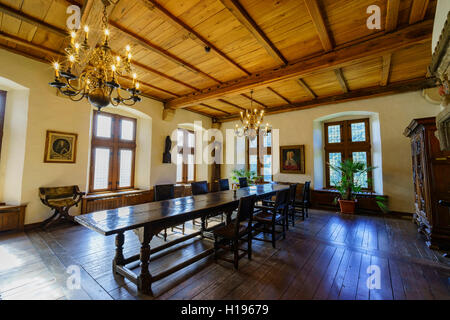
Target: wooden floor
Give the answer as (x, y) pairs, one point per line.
(324, 257)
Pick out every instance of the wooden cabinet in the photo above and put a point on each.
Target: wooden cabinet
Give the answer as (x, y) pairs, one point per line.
(431, 176)
(12, 217)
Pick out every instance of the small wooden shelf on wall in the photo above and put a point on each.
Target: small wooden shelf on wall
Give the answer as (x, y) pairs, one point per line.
(12, 217)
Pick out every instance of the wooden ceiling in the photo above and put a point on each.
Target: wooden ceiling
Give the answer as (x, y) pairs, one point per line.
(207, 55)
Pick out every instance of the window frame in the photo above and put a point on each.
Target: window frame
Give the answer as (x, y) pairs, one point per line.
(2, 115)
(259, 161)
(346, 147)
(191, 150)
(115, 144)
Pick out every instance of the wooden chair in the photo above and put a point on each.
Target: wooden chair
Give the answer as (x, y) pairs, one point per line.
(166, 192)
(291, 205)
(60, 199)
(198, 188)
(290, 211)
(269, 217)
(224, 185)
(233, 235)
(304, 204)
(243, 182)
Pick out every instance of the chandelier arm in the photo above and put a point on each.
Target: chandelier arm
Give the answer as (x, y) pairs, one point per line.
(128, 104)
(72, 87)
(77, 99)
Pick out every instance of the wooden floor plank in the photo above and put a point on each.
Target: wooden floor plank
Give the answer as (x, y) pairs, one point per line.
(324, 257)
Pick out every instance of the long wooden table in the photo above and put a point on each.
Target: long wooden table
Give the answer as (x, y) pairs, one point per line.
(156, 216)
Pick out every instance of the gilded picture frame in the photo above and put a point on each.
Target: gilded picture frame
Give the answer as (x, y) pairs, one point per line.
(60, 147)
(292, 159)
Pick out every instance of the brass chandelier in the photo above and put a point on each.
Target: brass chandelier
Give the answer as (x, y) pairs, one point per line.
(98, 81)
(251, 123)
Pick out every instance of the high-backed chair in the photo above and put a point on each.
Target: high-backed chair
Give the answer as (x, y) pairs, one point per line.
(60, 199)
(304, 204)
(224, 185)
(269, 217)
(291, 205)
(200, 187)
(231, 236)
(166, 192)
(243, 182)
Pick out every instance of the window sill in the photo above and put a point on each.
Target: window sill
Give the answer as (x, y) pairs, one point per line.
(363, 193)
(112, 193)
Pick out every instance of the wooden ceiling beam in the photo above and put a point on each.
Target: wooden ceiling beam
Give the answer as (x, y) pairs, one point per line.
(319, 23)
(393, 88)
(214, 108)
(32, 20)
(341, 79)
(386, 69)
(200, 113)
(418, 11)
(232, 104)
(30, 45)
(191, 33)
(160, 51)
(254, 100)
(374, 47)
(306, 88)
(392, 15)
(279, 95)
(162, 75)
(238, 11)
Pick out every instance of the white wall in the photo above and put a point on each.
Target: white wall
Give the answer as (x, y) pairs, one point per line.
(442, 9)
(46, 111)
(395, 113)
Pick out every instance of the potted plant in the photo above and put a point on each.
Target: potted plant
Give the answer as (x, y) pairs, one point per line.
(350, 184)
(251, 176)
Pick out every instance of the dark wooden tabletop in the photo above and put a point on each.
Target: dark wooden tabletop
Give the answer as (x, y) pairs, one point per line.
(169, 212)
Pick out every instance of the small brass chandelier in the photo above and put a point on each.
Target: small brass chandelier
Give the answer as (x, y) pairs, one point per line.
(98, 81)
(251, 123)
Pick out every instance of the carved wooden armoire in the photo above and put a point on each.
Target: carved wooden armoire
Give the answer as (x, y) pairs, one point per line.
(431, 174)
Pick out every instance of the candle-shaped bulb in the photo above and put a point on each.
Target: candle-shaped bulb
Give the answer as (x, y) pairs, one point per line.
(129, 56)
(77, 47)
(86, 29)
(86, 32)
(134, 76)
(128, 48)
(137, 85)
(73, 34)
(56, 66)
(71, 58)
(113, 68)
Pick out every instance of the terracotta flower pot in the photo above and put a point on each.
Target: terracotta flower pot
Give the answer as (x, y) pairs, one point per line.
(347, 206)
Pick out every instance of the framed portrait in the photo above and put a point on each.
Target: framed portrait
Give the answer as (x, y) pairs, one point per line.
(60, 147)
(292, 159)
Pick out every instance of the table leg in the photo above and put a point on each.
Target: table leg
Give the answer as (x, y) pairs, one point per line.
(144, 280)
(119, 258)
(203, 226)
